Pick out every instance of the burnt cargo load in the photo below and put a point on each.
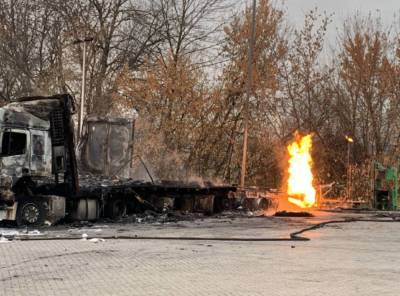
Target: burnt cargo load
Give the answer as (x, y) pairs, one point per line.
(106, 147)
(40, 178)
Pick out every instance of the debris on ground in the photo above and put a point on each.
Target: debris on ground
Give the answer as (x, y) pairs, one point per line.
(33, 232)
(92, 240)
(293, 214)
(150, 217)
(96, 240)
(8, 232)
(4, 240)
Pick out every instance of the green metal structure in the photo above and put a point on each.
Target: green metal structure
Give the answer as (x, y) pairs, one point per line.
(386, 187)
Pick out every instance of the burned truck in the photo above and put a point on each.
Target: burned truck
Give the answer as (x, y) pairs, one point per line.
(40, 179)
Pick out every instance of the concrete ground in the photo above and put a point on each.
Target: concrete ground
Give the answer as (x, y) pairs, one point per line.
(360, 258)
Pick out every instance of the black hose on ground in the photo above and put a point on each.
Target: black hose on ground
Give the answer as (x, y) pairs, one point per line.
(293, 237)
(349, 220)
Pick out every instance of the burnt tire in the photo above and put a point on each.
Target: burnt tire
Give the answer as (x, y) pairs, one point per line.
(30, 212)
(116, 209)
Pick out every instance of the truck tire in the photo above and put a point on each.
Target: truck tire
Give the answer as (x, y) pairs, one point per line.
(30, 212)
(116, 209)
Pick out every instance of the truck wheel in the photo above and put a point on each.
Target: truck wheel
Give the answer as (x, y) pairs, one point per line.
(116, 209)
(30, 212)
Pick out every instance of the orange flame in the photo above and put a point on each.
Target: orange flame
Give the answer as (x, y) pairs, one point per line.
(300, 188)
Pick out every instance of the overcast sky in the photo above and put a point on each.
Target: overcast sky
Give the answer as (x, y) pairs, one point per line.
(343, 8)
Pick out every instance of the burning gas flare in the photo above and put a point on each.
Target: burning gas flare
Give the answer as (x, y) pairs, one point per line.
(300, 183)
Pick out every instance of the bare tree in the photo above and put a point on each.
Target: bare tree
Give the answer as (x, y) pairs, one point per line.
(367, 99)
(30, 40)
(124, 32)
(191, 28)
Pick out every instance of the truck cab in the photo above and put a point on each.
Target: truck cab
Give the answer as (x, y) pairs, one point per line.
(26, 146)
(34, 152)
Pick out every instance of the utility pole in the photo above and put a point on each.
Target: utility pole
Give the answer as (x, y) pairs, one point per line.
(82, 103)
(348, 189)
(249, 84)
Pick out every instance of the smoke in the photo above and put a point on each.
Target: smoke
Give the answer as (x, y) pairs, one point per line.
(162, 162)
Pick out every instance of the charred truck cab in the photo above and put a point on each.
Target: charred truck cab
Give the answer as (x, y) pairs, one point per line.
(37, 161)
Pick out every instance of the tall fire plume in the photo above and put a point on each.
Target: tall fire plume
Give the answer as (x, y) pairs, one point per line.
(301, 191)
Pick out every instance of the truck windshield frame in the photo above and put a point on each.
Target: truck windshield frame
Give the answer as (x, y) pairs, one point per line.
(13, 143)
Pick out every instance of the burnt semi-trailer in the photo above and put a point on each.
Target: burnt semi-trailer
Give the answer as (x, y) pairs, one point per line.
(39, 172)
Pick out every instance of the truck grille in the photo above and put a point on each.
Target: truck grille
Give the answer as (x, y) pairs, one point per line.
(57, 127)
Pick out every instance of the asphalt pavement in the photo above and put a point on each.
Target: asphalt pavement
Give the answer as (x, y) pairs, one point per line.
(357, 258)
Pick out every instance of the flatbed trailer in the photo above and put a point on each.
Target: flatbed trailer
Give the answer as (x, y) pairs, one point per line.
(39, 175)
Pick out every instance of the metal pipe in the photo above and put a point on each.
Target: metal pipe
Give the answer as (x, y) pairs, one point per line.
(147, 170)
(82, 90)
(82, 103)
